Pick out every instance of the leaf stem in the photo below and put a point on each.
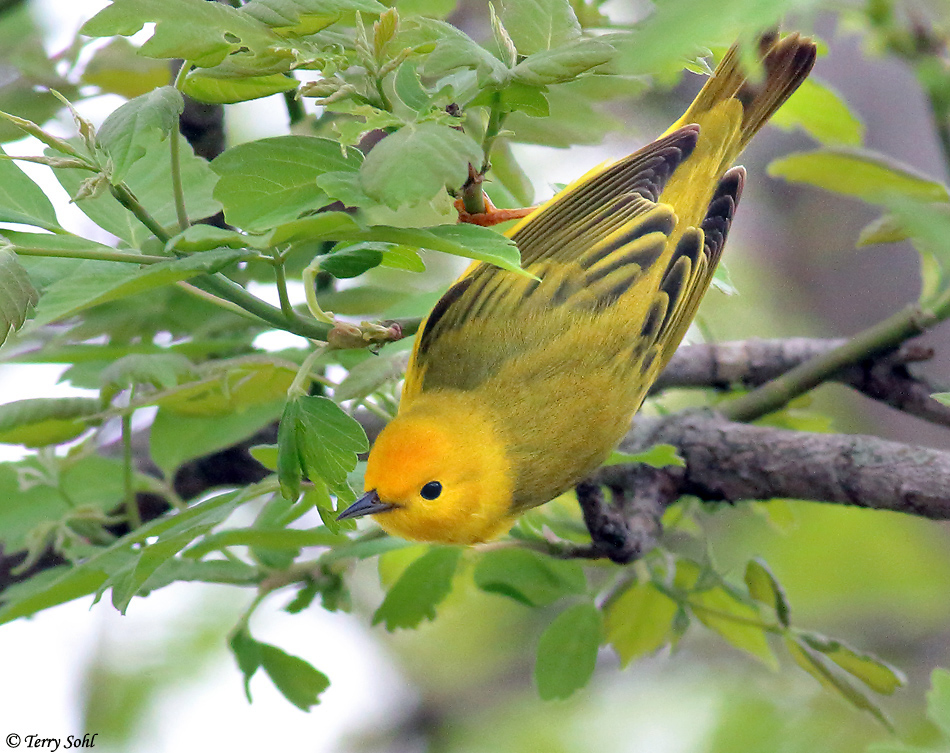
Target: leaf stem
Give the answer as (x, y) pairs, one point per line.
(496, 120)
(175, 144)
(98, 255)
(221, 286)
(127, 199)
(133, 516)
(297, 388)
(473, 198)
(280, 278)
(889, 333)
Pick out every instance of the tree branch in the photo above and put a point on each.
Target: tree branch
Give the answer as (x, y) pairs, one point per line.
(887, 378)
(731, 462)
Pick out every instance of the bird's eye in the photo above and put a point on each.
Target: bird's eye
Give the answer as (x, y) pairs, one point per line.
(431, 490)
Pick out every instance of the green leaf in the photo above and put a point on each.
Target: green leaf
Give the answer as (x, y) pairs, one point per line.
(863, 175)
(814, 665)
(265, 454)
(217, 90)
(536, 25)
(197, 238)
(885, 229)
(873, 672)
(324, 226)
(938, 700)
(821, 112)
(527, 98)
(118, 68)
(131, 129)
(345, 187)
(677, 29)
(352, 260)
(247, 653)
(468, 241)
(366, 118)
(417, 162)
(89, 482)
(764, 588)
(402, 257)
(176, 438)
(202, 33)
(266, 182)
(318, 495)
(295, 678)
(455, 49)
(49, 589)
(302, 17)
(289, 460)
(567, 651)
(149, 560)
(942, 397)
(574, 118)
(97, 282)
(562, 64)
(529, 577)
(658, 456)
(504, 46)
(34, 495)
(150, 181)
(160, 370)
(734, 620)
(409, 88)
(21, 200)
(369, 375)
(927, 225)
(430, 8)
(45, 270)
(323, 439)
(17, 294)
(639, 621)
(38, 422)
(419, 590)
(229, 386)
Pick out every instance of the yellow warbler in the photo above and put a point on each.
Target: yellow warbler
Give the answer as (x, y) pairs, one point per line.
(517, 389)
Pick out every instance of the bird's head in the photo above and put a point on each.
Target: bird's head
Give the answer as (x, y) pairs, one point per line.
(438, 472)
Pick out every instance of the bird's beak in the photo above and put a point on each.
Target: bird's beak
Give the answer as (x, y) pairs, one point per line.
(368, 504)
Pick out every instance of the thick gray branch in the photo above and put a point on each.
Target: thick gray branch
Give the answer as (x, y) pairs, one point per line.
(727, 461)
(731, 462)
(887, 378)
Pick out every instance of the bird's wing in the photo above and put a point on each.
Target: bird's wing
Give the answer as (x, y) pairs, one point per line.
(605, 239)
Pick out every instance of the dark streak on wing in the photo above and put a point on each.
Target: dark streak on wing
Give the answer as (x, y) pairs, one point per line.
(643, 173)
(695, 259)
(439, 310)
(655, 316)
(675, 282)
(721, 210)
(610, 279)
(658, 222)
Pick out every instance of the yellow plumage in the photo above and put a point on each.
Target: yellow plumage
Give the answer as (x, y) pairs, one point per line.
(517, 388)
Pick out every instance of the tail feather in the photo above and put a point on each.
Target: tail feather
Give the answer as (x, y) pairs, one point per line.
(785, 62)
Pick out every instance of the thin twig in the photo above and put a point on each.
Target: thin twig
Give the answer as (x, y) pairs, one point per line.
(178, 190)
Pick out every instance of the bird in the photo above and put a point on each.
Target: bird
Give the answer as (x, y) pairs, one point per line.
(519, 386)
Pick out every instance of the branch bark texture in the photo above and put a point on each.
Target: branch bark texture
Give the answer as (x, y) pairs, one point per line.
(729, 461)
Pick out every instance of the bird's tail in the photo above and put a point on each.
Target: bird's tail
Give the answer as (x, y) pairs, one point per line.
(786, 62)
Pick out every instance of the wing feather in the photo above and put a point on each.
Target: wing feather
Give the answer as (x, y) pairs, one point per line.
(596, 243)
